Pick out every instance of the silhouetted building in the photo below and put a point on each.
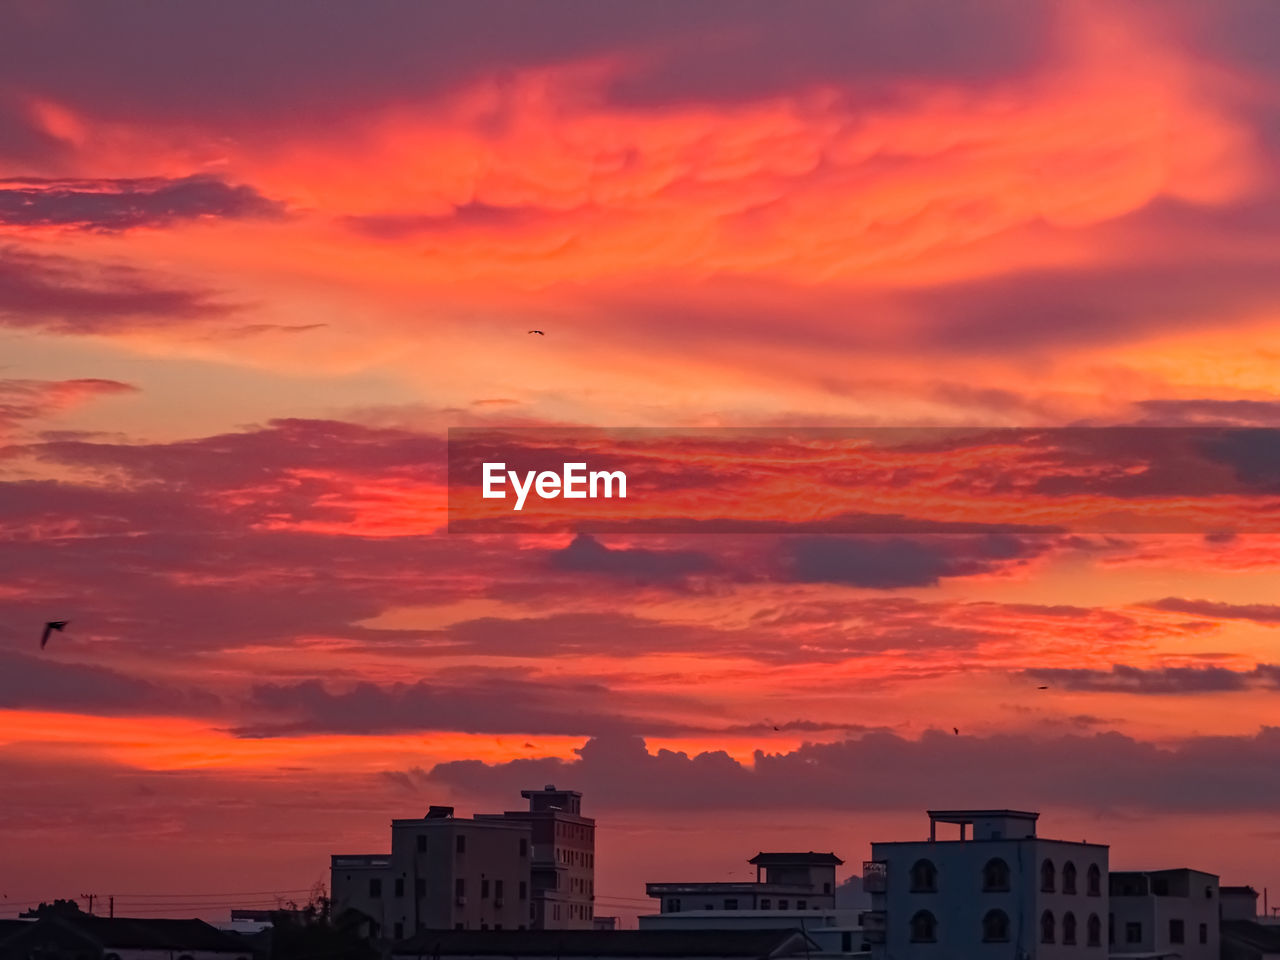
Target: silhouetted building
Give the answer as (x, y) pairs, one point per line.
(1171, 912)
(1238, 903)
(523, 869)
(1001, 892)
(588, 944)
(86, 937)
(563, 862)
(1250, 940)
(784, 882)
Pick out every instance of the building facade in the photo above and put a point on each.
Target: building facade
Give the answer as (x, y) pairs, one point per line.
(785, 882)
(523, 869)
(563, 858)
(1174, 912)
(999, 891)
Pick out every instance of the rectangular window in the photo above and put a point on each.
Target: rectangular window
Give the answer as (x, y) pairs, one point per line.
(484, 889)
(497, 889)
(766, 903)
(1204, 933)
(375, 887)
(826, 888)
(731, 904)
(462, 843)
(784, 904)
(398, 931)
(802, 905)
(524, 847)
(524, 890)
(1133, 932)
(673, 905)
(1177, 931)
(422, 843)
(399, 890)
(460, 887)
(420, 888)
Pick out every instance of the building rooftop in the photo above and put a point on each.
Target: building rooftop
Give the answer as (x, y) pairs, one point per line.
(794, 859)
(140, 933)
(747, 944)
(968, 816)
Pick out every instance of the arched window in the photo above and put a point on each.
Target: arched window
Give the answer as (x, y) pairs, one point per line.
(995, 876)
(924, 877)
(1094, 888)
(1046, 927)
(924, 928)
(1068, 877)
(1069, 928)
(1094, 927)
(995, 927)
(1047, 875)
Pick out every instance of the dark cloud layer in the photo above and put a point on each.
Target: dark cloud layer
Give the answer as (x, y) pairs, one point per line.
(1122, 678)
(1266, 613)
(883, 771)
(898, 562)
(112, 205)
(50, 683)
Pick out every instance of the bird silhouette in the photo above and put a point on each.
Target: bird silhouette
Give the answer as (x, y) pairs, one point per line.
(1043, 688)
(538, 332)
(956, 730)
(49, 627)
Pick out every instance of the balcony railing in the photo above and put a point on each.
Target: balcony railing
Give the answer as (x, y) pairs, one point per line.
(875, 876)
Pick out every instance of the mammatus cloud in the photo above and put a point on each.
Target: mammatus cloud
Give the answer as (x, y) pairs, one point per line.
(115, 205)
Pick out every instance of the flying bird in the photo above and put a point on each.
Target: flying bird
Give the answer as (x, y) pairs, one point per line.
(957, 731)
(1042, 688)
(49, 627)
(538, 332)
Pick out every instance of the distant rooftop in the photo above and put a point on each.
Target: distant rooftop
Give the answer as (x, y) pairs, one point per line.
(746, 944)
(794, 859)
(968, 816)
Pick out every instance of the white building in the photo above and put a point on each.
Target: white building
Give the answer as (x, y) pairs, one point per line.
(1165, 913)
(1001, 892)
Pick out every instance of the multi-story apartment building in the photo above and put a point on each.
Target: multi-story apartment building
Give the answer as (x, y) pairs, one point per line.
(525, 869)
(443, 873)
(563, 858)
(1165, 912)
(1000, 892)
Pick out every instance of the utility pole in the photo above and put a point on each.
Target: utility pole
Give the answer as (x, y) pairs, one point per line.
(111, 906)
(90, 897)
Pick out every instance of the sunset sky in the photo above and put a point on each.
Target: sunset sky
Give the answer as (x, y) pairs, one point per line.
(256, 259)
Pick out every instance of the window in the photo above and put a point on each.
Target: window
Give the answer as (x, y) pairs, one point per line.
(924, 877)
(458, 926)
(1133, 932)
(995, 876)
(399, 892)
(524, 847)
(497, 889)
(1069, 928)
(1111, 928)
(766, 903)
(826, 888)
(995, 927)
(1047, 876)
(1068, 877)
(375, 887)
(420, 888)
(398, 931)
(484, 889)
(784, 904)
(524, 893)
(802, 905)
(846, 942)
(1094, 887)
(1047, 927)
(1094, 930)
(462, 843)
(497, 926)
(422, 843)
(1204, 933)
(460, 887)
(731, 904)
(924, 928)
(1177, 931)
